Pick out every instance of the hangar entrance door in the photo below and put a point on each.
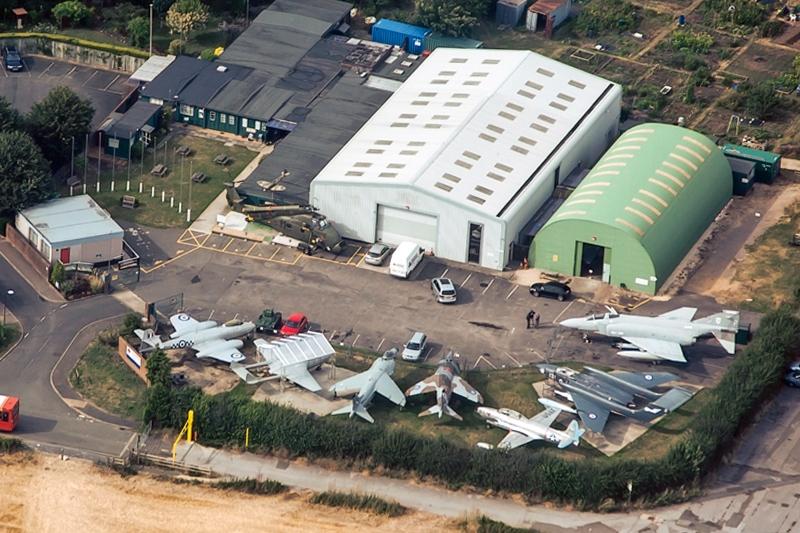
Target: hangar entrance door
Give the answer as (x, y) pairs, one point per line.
(593, 262)
(397, 225)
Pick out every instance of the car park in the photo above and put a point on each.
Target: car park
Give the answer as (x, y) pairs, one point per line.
(377, 254)
(552, 289)
(12, 60)
(414, 349)
(294, 325)
(443, 290)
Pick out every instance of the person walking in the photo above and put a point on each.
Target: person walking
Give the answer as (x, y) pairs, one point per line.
(529, 318)
(536, 320)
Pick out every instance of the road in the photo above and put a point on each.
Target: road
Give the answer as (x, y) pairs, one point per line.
(25, 371)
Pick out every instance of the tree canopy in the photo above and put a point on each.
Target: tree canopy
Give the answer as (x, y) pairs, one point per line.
(73, 10)
(54, 121)
(138, 32)
(10, 118)
(185, 16)
(25, 177)
(451, 17)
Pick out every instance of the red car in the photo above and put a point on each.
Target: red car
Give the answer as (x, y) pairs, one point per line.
(295, 324)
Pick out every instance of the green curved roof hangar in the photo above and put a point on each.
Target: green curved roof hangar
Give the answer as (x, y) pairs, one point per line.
(639, 211)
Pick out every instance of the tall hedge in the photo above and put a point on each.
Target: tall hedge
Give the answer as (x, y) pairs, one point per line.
(543, 475)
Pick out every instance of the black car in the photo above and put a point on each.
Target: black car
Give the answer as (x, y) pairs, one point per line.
(553, 289)
(12, 59)
(792, 378)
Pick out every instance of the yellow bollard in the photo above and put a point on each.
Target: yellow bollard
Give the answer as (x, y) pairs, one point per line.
(246, 438)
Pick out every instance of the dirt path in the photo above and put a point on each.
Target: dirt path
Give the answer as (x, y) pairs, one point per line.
(42, 493)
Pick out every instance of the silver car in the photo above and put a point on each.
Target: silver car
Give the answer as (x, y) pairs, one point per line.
(415, 347)
(377, 254)
(443, 290)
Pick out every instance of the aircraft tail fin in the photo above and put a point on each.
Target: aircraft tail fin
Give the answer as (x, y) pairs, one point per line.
(727, 339)
(437, 410)
(573, 437)
(355, 408)
(727, 323)
(148, 337)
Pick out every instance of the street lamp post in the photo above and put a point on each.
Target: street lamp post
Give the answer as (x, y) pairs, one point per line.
(151, 28)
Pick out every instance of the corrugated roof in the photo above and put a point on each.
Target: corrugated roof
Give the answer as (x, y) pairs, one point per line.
(71, 220)
(546, 6)
(401, 27)
(250, 98)
(761, 156)
(152, 68)
(132, 120)
(475, 127)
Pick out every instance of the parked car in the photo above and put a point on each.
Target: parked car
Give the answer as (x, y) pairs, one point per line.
(296, 323)
(377, 254)
(415, 347)
(405, 259)
(12, 59)
(792, 378)
(552, 289)
(443, 290)
(269, 321)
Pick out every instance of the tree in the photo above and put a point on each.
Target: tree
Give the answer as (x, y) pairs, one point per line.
(159, 395)
(608, 16)
(73, 10)
(760, 99)
(158, 370)
(9, 117)
(139, 32)
(24, 174)
(184, 16)
(446, 16)
(54, 121)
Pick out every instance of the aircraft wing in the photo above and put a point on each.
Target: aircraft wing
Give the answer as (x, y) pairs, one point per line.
(423, 387)
(182, 322)
(594, 416)
(683, 313)
(299, 375)
(465, 390)
(218, 350)
(546, 417)
(389, 390)
(671, 351)
(648, 380)
(514, 440)
(353, 383)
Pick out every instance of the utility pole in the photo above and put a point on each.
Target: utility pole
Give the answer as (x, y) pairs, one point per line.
(72, 159)
(151, 28)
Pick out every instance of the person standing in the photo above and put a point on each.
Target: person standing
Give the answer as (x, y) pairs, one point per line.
(529, 318)
(536, 318)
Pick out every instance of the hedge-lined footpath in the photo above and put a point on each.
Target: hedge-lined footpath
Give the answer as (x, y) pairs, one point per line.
(103, 47)
(600, 484)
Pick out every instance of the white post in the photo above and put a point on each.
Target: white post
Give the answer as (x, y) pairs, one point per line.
(153, 191)
(180, 207)
(70, 190)
(128, 186)
(98, 185)
(140, 187)
(172, 201)
(162, 195)
(112, 185)
(189, 215)
(84, 187)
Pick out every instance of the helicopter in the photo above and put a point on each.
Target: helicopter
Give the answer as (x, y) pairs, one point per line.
(300, 222)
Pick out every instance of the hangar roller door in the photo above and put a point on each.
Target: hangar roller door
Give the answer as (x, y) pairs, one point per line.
(398, 225)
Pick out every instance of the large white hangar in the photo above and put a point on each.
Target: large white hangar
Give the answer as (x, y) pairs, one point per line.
(464, 153)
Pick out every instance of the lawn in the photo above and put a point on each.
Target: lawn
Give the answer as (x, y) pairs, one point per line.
(103, 379)
(10, 335)
(151, 211)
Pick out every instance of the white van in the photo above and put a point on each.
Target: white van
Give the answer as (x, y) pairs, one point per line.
(405, 259)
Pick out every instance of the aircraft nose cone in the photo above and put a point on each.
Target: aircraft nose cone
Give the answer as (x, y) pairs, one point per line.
(544, 368)
(571, 323)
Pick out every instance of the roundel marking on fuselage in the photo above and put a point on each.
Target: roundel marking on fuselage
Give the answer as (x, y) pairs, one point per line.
(648, 377)
(183, 316)
(592, 416)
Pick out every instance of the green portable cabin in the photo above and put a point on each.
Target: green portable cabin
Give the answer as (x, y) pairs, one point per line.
(638, 212)
(744, 175)
(768, 164)
(121, 132)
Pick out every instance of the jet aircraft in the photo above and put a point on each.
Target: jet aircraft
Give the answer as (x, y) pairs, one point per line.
(207, 338)
(376, 379)
(445, 381)
(522, 430)
(661, 337)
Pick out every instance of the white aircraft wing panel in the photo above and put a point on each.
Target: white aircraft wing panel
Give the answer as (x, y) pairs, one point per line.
(465, 390)
(514, 440)
(546, 417)
(299, 375)
(351, 384)
(216, 349)
(182, 322)
(389, 390)
(683, 313)
(671, 351)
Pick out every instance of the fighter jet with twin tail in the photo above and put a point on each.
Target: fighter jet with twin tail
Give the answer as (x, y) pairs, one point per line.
(446, 381)
(522, 430)
(657, 338)
(209, 339)
(378, 378)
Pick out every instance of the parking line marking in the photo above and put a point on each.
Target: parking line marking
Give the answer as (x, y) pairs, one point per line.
(489, 285)
(513, 330)
(563, 311)
(540, 356)
(28, 70)
(276, 253)
(251, 249)
(45, 70)
(111, 83)
(517, 362)
(356, 339)
(3, 68)
(333, 334)
(380, 344)
(211, 314)
(446, 270)
(512, 291)
(89, 78)
(466, 280)
(482, 358)
(354, 254)
(70, 72)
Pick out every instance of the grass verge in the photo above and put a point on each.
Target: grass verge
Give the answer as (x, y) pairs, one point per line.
(266, 487)
(360, 502)
(9, 334)
(102, 378)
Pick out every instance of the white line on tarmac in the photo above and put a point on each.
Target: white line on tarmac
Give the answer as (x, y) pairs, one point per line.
(89, 78)
(62, 306)
(446, 270)
(563, 311)
(381, 344)
(111, 83)
(211, 314)
(70, 72)
(24, 64)
(45, 70)
(3, 68)
(356, 339)
(466, 280)
(333, 334)
(482, 358)
(513, 330)
(515, 361)
(235, 316)
(539, 355)
(42, 319)
(489, 285)
(512, 291)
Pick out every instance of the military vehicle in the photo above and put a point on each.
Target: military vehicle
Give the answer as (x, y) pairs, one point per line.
(300, 222)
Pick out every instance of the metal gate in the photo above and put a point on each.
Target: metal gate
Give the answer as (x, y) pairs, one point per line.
(158, 312)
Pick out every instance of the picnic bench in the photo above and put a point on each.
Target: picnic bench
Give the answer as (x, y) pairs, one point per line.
(184, 151)
(73, 181)
(129, 202)
(159, 170)
(222, 159)
(199, 177)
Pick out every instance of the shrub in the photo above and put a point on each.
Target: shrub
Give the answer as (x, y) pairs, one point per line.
(103, 47)
(606, 16)
(252, 486)
(57, 274)
(11, 445)
(360, 502)
(699, 43)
